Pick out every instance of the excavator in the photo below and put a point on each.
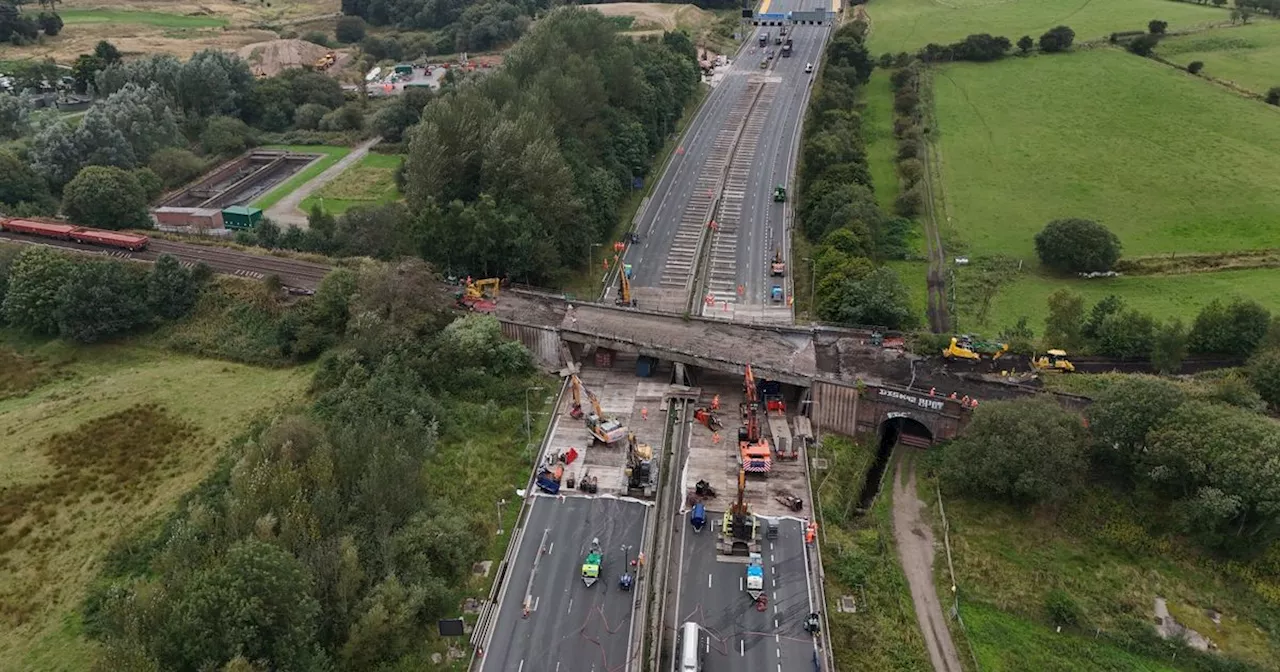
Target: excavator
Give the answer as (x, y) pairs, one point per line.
(639, 470)
(625, 297)
(1054, 360)
(480, 295)
(738, 529)
(753, 450)
(967, 347)
(603, 430)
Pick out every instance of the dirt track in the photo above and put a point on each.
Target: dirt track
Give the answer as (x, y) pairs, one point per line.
(914, 537)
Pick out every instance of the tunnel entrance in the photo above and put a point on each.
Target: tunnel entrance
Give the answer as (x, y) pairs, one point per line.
(894, 431)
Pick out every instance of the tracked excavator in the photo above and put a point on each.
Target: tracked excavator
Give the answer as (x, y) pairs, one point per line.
(639, 470)
(603, 430)
(738, 528)
(480, 296)
(625, 297)
(754, 454)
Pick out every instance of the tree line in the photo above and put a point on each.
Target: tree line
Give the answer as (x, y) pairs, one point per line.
(336, 535)
(983, 47)
(838, 212)
(21, 28)
(519, 172)
(467, 25)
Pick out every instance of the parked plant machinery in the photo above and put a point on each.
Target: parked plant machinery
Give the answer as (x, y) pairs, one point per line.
(753, 450)
(1054, 360)
(780, 194)
(970, 348)
(80, 234)
(603, 430)
(738, 528)
(707, 418)
(755, 579)
(639, 469)
(591, 565)
(549, 479)
(625, 297)
(479, 295)
(778, 267)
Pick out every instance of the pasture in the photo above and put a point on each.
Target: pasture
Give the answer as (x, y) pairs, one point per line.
(907, 25)
(1167, 161)
(75, 16)
(99, 441)
(369, 182)
(1247, 56)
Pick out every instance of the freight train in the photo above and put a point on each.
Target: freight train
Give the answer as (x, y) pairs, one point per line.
(80, 234)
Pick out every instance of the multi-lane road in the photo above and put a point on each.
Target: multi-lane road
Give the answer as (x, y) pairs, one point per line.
(741, 144)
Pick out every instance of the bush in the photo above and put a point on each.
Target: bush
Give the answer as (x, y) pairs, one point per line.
(317, 37)
(1077, 245)
(307, 117)
(152, 185)
(1157, 27)
(909, 202)
(349, 29)
(106, 197)
(1143, 46)
(1194, 67)
(1237, 328)
(175, 166)
(1273, 95)
(349, 117)
(1264, 375)
(1061, 609)
(225, 136)
(1057, 39)
(905, 102)
(50, 23)
(911, 169)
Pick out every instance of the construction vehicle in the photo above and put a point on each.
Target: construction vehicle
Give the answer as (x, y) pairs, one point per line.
(778, 267)
(479, 295)
(707, 418)
(639, 470)
(755, 577)
(602, 429)
(791, 502)
(738, 528)
(324, 62)
(549, 479)
(699, 517)
(780, 194)
(1054, 360)
(968, 347)
(753, 450)
(625, 298)
(591, 565)
(776, 414)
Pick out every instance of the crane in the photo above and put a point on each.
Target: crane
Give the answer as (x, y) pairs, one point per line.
(602, 429)
(753, 450)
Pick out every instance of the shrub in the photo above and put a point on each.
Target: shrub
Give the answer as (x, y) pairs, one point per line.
(908, 148)
(1236, 328)
(1157, 27)
(1062, 610)
(1194, 67)
(905, 102)
(904, 125)
(1057, 39)
(1143, 46)
(106, 197)
(151, 183)
(225, 136)
(909, 202)
(911, 169)
(175, 166)
(1077, 245)
(1264, 375)
(307, 117)
(1273, 95)
(349, 29)
(317, 37)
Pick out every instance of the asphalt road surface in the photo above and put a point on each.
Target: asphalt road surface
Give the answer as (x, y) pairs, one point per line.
(570, 627)
(738, 637)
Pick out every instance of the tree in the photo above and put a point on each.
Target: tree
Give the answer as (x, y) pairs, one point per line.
(101, 299)
(140, 116)
(214, 82)
(1169, 346)
(1026, 44)
(1077, 245)
(50, 23)
(349, 117)
(57, 152)
(1100, 311)
(19, 183)
(1236, 328)
(175, 166)
(1063, 324)
(107, 53)
(85, 71)
(1264, 375)
(14, 112)
(1127, 335)
(171, 289)
(1194, 67)
(1234, 389)
(1273, 95)
(1121, 417)
(307, 117)
(1025, 451)
(349, 29)
(1143, 45)
(31, 300)
(374, 230)
(878, 299)
(1057, 39)
(1157, 27)
(225, 136)
(152, 185)
(106, 197)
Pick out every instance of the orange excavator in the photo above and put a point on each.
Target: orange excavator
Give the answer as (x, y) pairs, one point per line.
(754, 455)
(603, 430)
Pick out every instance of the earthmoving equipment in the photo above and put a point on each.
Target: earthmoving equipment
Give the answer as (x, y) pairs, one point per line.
(706, 417)
(704, 489)
(699, 517)
(753, 450)
(1054, 360)
(480, 295)
(591, 565)
(755, 577)
(738, 529)
(970, 348)
(625, 297)
(324, 62)
(549, 479)
(778, 267)
(603, 430)
(790, 501)
(780, 194)
(639, 469)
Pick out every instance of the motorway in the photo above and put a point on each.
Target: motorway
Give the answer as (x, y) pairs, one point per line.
(569, 627)
(740, 638)
(749, 124)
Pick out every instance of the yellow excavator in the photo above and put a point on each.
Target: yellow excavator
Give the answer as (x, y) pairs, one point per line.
(480, 295)
(1054, 360)
(603, 430)
(967, 347)
(625, 297)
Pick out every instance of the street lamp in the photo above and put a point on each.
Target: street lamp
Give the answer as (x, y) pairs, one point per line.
(500, 503)
(813, 284)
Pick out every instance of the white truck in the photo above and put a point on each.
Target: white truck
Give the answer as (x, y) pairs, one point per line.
(755, 577)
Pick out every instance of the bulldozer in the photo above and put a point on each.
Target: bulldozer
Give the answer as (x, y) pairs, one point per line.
(602, 429)
(1053, 360)
(968, 347)
(479, 295)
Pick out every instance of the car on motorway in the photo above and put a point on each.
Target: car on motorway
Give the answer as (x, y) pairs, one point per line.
(770, 54)
(808, 67)
(764, 63)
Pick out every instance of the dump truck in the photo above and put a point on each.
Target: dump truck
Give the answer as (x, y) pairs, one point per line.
(549, 479)
(755, 577)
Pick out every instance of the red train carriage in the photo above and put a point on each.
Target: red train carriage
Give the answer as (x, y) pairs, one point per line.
(80, 234)
(126, 241)
(43, 229)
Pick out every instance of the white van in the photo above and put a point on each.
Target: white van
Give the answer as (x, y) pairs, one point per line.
(690, 660)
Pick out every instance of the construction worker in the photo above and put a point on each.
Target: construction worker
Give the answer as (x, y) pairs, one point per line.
(715, 438)
(932, 390)
(965, 401)
(644, 413)
(952, 397)
(715, 403)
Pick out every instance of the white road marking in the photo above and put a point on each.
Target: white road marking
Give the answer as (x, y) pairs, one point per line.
(742, 647)
(570, 606)
(708, 580)
(519, 669)
(551, 547)
(536, 600)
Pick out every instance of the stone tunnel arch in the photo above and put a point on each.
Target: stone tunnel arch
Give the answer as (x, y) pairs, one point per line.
(904, 429)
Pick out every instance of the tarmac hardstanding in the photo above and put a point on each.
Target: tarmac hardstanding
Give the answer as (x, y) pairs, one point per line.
(569, 627)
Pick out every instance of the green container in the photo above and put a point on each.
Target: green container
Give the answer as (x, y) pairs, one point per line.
(239, 217)
(404, 69)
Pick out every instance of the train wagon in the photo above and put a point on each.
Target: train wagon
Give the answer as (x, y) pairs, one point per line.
(43, 229)
(126, 241)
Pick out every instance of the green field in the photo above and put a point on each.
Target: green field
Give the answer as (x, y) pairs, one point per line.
(370, 182)
(907, 25)
(877, 132)
(98, 440)
(1168, 162)
(161, 19)
(1248, 56)
(332, 156)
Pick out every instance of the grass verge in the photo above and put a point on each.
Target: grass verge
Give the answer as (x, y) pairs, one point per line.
(877, 131)
(75, 16)
(91, 454)
(331, 156)
(1247, 56)
(372, 181)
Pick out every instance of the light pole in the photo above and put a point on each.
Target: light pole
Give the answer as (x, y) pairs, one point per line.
(813, 284)
(500, 503)
(591, 254)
